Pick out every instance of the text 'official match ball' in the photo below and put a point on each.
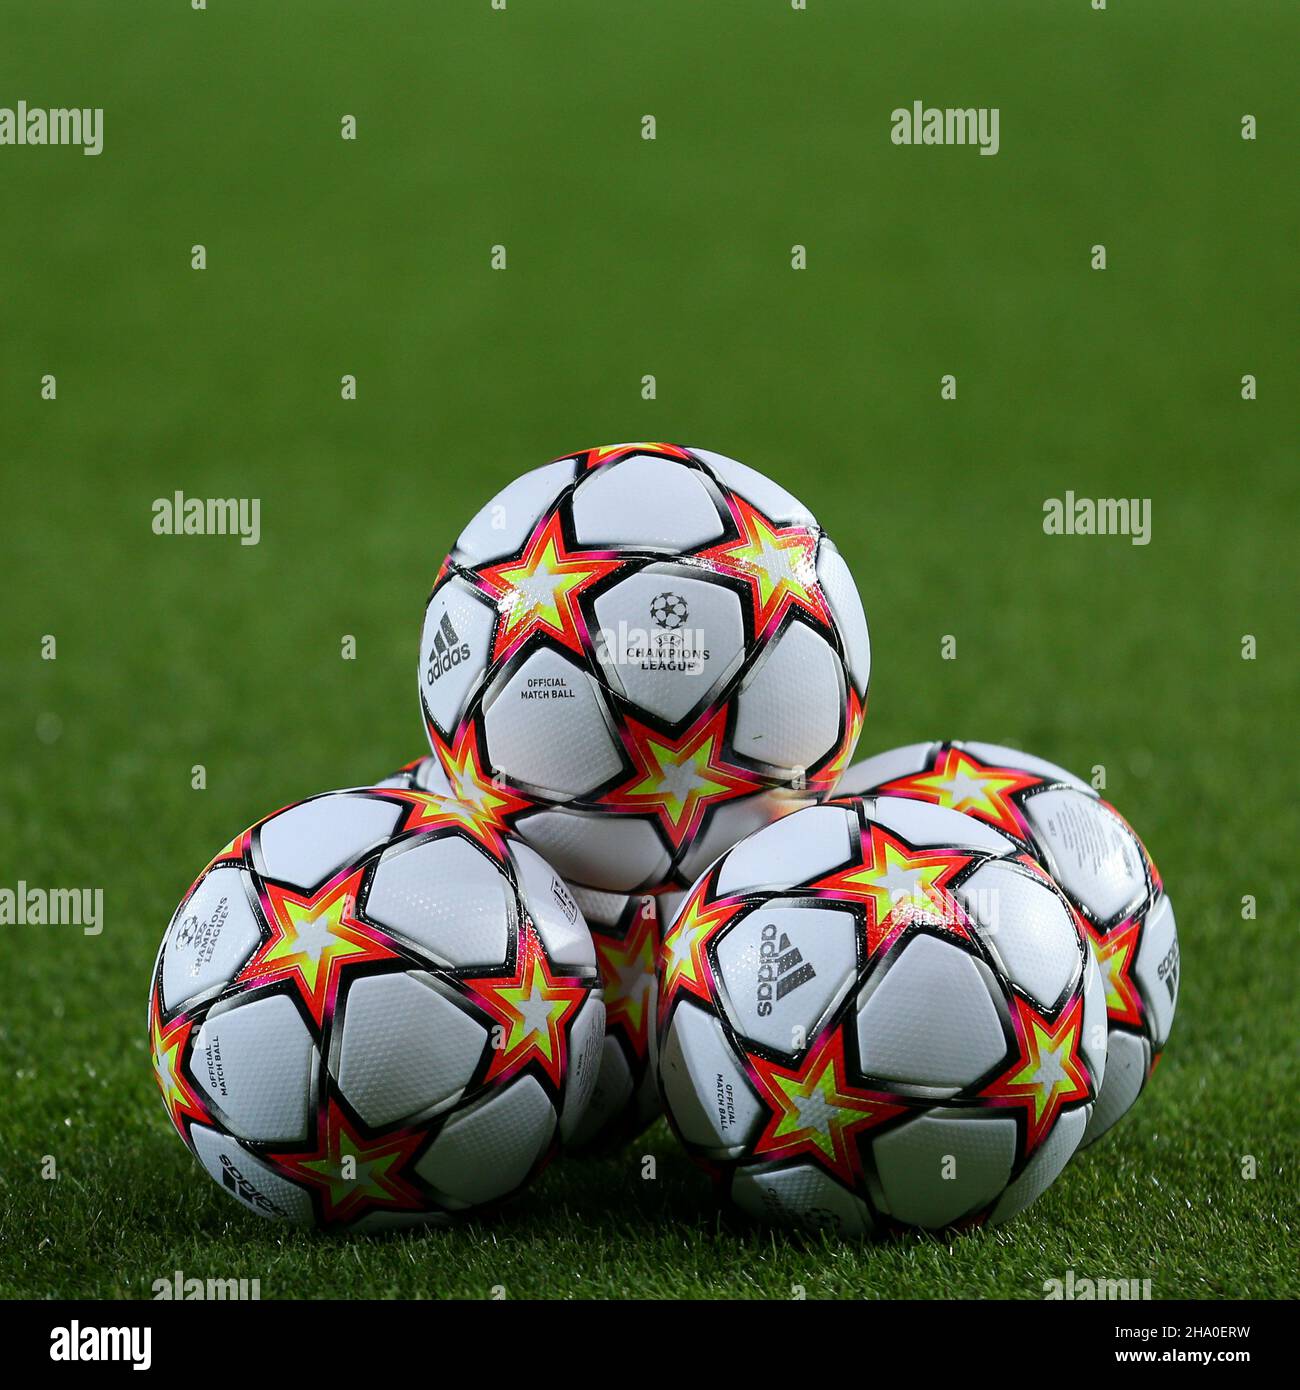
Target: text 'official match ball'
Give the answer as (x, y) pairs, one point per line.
(372, 1010)
(636, 655)
(1093, 854)
(878, 1014)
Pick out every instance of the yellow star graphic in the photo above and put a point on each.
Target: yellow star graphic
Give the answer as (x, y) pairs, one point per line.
(961, 783)
(311, 938)
(1114, 952)
(900, 885)
(779, 562)
(538, 592)
(351, 1173)
(1048, 1071)
(166, 1045)
(815, 1110)
(679, 779)
(533, 1008)
(314, 938)
(475, 805)
(682, 956)
(627, 967)
(604, 452)
(537, 589)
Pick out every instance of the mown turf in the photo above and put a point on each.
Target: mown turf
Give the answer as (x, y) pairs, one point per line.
(628, 258)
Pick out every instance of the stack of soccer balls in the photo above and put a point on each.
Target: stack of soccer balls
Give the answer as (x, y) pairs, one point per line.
(634, 869)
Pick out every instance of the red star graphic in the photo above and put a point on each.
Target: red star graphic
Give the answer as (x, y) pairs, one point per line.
(607, 453)
(679, 779)
(683, 959)
(900, 887)
(960, 782)
(779, 563)
(480, 805)
(313, 938)
(1048, 1071)
(1116, 952)
(352, 1174)
(539, 591)
(627, 969)
(815, 1111)
(534, 1009)
(167, 1044)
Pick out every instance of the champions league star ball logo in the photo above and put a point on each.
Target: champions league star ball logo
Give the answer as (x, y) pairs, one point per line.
(668, 611)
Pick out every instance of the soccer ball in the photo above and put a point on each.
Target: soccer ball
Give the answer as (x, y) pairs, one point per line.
(372, 1010)
(876, 1014)
(635, 655)
(625, 934)
(1093, 854)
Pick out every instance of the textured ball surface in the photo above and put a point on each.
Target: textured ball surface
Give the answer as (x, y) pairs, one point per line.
(636, 655)
(1096, 858)
(372, 1010)
(877, 1014)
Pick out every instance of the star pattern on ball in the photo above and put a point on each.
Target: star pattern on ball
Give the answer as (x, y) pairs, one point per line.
(607, 453)
(353, 1174)
(167, 1046)
(814, 1110)
(683, 956)
(538, 593)
(1048, 1072)
(1116, 952)
(900, 887)
(678, 780)
(533, 1009)
(779, 563)
(627, 969)
(478, 805)
(960, 782)
(314, 937)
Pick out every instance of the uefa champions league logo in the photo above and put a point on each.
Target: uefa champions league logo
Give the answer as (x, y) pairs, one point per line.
(666, 645)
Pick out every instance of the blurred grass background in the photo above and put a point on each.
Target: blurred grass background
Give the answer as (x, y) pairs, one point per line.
(625, 258)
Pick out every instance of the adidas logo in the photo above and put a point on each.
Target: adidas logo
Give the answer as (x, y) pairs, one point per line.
(1168, 972)
(234, 1181)
(781, 970)
(447, 650)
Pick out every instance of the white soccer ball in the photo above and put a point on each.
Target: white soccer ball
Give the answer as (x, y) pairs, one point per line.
(635, 655)
(875, 1014)
(372, 1010)
(1093, 854)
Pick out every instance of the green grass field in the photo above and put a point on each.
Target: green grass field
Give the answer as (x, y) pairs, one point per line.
(629, 258)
